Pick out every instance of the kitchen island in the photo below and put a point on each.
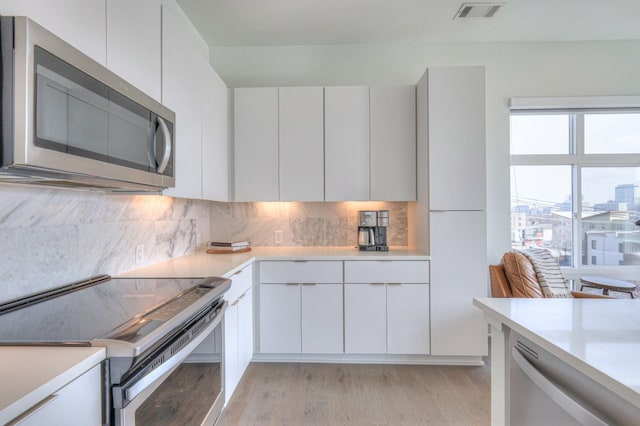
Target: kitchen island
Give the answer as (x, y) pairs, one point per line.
(596, 340)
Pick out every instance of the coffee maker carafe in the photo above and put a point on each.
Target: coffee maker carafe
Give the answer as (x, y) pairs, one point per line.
(372, 230)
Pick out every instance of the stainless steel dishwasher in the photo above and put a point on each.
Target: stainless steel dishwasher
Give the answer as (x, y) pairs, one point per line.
(544, 390)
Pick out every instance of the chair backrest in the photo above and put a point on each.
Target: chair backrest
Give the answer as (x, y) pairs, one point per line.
(500, 286)
(521, 272)
(521, 275)
(548, 272)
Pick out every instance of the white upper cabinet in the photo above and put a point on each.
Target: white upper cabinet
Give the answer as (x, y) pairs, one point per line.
(320, 144)
(255, 123)
(134, 43)
(215, 143)
(81, 23)
(182, 66)
(456, 129)
(393, 143)
(198, 96)
(301, 131)
(347, 143)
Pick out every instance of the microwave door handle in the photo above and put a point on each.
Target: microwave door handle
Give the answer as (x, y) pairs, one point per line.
(167, 146)
(151, 146)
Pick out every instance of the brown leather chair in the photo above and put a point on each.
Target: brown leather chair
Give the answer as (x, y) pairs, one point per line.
(516, 277)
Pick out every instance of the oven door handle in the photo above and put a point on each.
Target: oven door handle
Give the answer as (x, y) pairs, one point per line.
(133, 390)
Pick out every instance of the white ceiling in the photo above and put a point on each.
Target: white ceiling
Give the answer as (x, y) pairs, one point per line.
(305, 22)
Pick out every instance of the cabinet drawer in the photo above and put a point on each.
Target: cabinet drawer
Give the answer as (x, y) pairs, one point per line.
(394, 271)
(241, 281)
(301, 272)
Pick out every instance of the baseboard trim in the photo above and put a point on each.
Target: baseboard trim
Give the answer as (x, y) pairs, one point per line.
(370, 359)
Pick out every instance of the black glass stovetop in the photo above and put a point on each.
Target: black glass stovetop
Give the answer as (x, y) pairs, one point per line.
(79, 316)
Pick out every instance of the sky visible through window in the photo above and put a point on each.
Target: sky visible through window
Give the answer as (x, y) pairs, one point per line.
(602, 151)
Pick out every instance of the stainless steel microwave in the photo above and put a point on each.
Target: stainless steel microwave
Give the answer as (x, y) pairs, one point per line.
(68, 121)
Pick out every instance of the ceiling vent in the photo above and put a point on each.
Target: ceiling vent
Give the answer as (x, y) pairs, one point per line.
(477, 10)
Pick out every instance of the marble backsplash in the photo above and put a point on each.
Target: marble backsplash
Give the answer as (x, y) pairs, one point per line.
(50, 237)
(303, 224)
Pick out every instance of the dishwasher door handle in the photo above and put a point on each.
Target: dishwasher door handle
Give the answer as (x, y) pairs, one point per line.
(562, 399)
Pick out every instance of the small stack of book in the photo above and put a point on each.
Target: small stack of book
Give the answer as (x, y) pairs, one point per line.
(222, 247)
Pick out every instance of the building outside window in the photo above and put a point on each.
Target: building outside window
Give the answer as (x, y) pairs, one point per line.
(575, 179)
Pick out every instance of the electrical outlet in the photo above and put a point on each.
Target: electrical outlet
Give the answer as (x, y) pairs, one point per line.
(278, 237)
(139, 254)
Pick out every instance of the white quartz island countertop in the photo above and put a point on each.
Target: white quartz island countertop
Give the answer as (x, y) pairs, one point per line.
(30, 374)
(202, 264)
(598, 337)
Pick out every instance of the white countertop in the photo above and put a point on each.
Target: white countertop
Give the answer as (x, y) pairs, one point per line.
(30, 374)
(203, 264)
(598, 337)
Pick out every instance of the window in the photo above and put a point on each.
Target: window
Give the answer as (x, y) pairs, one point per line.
(575, 182)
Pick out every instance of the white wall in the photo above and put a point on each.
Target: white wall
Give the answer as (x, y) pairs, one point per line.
(512, 70)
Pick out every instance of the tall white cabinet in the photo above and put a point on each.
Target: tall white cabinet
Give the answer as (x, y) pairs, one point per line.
(451, 204)
(458, 274)
(457, 146)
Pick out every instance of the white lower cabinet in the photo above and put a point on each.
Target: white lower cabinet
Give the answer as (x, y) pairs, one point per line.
(301, 318)
(382, 307)
(78, 403)
(245, 331)
(238, 329)
(280, 318)
(386, 318)
(391, 315)
(301, 307)
(322, 321)
(365, 319)
(231, 366)
(408, 319)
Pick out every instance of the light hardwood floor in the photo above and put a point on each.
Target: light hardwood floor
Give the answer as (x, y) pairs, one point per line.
(339, 394)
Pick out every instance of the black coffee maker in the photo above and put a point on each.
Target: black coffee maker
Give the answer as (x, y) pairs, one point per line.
(372, 230)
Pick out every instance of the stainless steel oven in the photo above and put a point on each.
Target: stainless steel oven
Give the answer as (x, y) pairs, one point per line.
(164, 339)
(181, 383)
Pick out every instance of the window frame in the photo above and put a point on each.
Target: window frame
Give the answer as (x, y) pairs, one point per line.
(577, 159)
